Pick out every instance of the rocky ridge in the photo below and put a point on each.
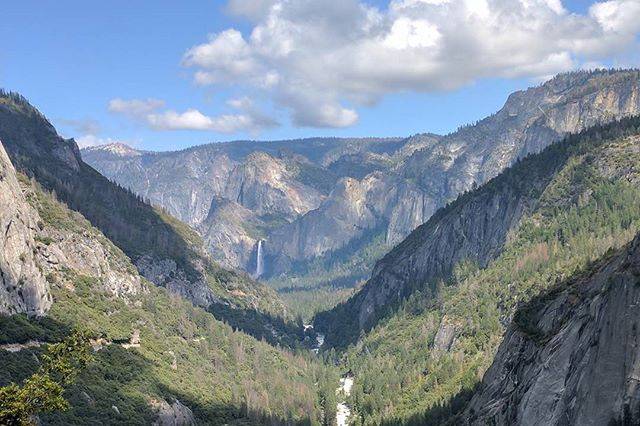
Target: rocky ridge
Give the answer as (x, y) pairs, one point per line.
(570, 356)
(474, 228)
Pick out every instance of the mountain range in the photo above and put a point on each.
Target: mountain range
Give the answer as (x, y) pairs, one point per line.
(488, 276)
(319, 204)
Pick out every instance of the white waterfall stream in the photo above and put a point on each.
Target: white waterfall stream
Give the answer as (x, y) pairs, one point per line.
(259, 260)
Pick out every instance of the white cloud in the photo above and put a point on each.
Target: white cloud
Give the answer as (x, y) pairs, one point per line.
(319, 59)
(252, 9)
(134, 107)
(248, 119)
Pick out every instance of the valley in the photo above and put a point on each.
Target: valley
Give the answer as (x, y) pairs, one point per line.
(326, 210)
(425, 280)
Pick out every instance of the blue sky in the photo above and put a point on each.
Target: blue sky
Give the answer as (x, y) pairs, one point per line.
(73, 58)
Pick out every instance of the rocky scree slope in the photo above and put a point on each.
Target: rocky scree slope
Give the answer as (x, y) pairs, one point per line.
(157, 358)
(570, 357)
(164, 250)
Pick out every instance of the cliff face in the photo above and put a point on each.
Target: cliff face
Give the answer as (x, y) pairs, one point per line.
(436, 170)
(231, 233)
(344, 215)
(263, 185)
(571, 357)
(476, 227)
(23, 288)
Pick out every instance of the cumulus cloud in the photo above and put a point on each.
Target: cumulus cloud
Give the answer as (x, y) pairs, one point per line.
(85, 126)
(249, 118)
(134, 107)
(323, 59)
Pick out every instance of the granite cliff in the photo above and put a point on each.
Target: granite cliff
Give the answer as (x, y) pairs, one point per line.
(570, 357)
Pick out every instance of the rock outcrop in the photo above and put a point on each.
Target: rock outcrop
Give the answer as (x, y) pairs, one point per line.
(174, 414)
(231, 233)
(264, 185)
(344, 215)
(23, 288)
(571, 357)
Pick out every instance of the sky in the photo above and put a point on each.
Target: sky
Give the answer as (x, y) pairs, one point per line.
(166, 75)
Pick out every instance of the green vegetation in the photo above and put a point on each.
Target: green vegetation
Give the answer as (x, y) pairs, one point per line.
(223, 375)
(125, 219)
(43, 391)
(589, 207)
(327, 280)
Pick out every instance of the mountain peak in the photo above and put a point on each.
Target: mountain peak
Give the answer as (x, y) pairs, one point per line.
(116, 148)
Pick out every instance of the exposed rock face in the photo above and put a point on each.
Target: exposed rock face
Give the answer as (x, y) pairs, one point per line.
(475, 228)
(402, 182)
(231, 232)
(571, 357)
(88, 253)
(344, 214)
(529, 121)
(23, 287)
(175, 414)
(274, 182)
(166, 273)
(183, 184)
(265, 186)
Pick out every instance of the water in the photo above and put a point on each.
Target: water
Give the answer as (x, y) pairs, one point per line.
(343, 412)
(319, 339)
(259, 260)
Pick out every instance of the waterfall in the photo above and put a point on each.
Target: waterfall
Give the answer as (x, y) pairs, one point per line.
(259, 260)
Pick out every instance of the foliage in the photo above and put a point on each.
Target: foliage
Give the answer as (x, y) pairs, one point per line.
(221, 373)
(43, 391)
(589, 206)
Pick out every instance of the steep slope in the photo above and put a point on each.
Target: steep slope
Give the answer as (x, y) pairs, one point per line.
(474, 228)
(231, 232)
(22, 285)
(445, 167)
(578, 198)
(165, 251)
(264, 185)
(157, 357)
(279, 181)
(570, 357)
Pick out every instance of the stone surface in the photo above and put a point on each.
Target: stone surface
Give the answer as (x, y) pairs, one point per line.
(23, 288)
(583, 365)
(174, 414)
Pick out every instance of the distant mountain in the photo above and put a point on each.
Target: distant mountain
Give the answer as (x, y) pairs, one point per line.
(277, 181)
(167, 252)
(366, 185)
